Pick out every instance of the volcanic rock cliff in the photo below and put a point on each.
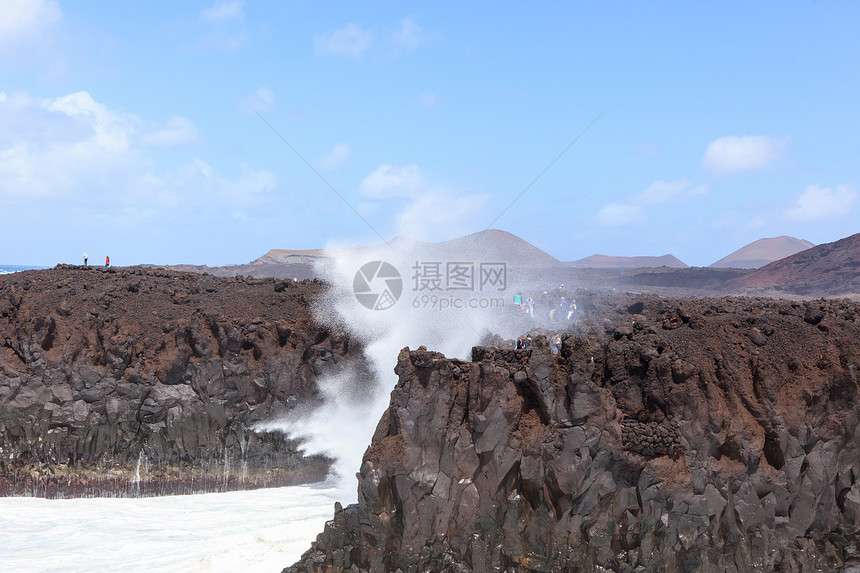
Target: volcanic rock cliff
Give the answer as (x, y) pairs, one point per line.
(136, 381)
(667, 435)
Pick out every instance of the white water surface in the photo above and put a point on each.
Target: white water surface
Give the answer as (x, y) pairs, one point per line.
(260, 530)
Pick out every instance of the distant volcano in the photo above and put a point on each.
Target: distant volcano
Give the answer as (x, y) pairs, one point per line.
(762, 252)
(607, 262)
(489, 245)
(497, 245)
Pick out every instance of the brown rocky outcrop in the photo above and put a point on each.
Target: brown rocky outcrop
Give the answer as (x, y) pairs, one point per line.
(146, 381)
(667, 435)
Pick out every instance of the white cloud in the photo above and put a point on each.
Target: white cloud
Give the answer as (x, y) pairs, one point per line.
(615, 214)
(408, 35)
(368, 208)
(177, 130)
(387, 182)
(822, 203)
(261, 100)
(757, 222)
(63, 147)
(648, 149)
(224, 11)
(622, 213)
(27, 21)
(725, 220)
(223, 26)
(738, 154)
(348, 41)
(439, 214)
(74, 150)
(662, 191)
(195, 186)
(430, 213)
(428, 100)
(338, 158)
(110, 131)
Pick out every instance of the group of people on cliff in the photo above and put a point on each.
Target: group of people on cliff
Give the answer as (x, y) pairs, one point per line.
(86, 259)
(525, 342)
(554, 305)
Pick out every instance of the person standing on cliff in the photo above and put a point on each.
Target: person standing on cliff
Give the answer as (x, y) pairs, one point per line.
(85, 259)
(107, 262)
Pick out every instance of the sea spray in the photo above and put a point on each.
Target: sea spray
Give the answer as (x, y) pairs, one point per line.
(445, 301)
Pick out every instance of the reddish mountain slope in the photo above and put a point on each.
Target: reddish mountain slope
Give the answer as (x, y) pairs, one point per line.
(288, 256)
(764, 251)
(608, 262)
(831, 269)
(496, 245)
(489, 245)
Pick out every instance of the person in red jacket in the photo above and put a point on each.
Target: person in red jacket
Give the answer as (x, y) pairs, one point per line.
(107, 262)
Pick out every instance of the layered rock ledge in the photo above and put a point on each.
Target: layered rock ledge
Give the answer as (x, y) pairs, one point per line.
(668, 435)
(143, 381)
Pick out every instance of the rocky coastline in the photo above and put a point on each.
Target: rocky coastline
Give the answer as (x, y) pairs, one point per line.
(141, 381)
(713, 434)
(667, 435)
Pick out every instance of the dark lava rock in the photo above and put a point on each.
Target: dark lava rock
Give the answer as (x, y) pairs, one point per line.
(813, 315)
(146, 381)
(716, 454)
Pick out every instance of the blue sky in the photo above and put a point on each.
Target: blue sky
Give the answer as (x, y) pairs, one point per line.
(132, 129)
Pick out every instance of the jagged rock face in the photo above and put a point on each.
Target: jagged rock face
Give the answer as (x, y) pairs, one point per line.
(144, 381)
(694, 435)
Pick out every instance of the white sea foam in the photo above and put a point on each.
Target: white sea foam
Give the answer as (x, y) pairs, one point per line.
(259, 530)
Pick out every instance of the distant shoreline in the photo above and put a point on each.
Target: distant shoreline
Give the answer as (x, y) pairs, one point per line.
(8, 269)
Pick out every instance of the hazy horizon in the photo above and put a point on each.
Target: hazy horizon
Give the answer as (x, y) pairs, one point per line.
(402, 238)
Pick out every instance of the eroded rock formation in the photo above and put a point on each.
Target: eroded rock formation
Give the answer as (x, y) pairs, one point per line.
(667, 435)
(137, 381)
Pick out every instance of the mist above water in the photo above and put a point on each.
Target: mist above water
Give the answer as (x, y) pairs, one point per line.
(446, 302)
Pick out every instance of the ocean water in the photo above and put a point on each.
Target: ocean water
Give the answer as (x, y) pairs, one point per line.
(261, 530)
(7, 269)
